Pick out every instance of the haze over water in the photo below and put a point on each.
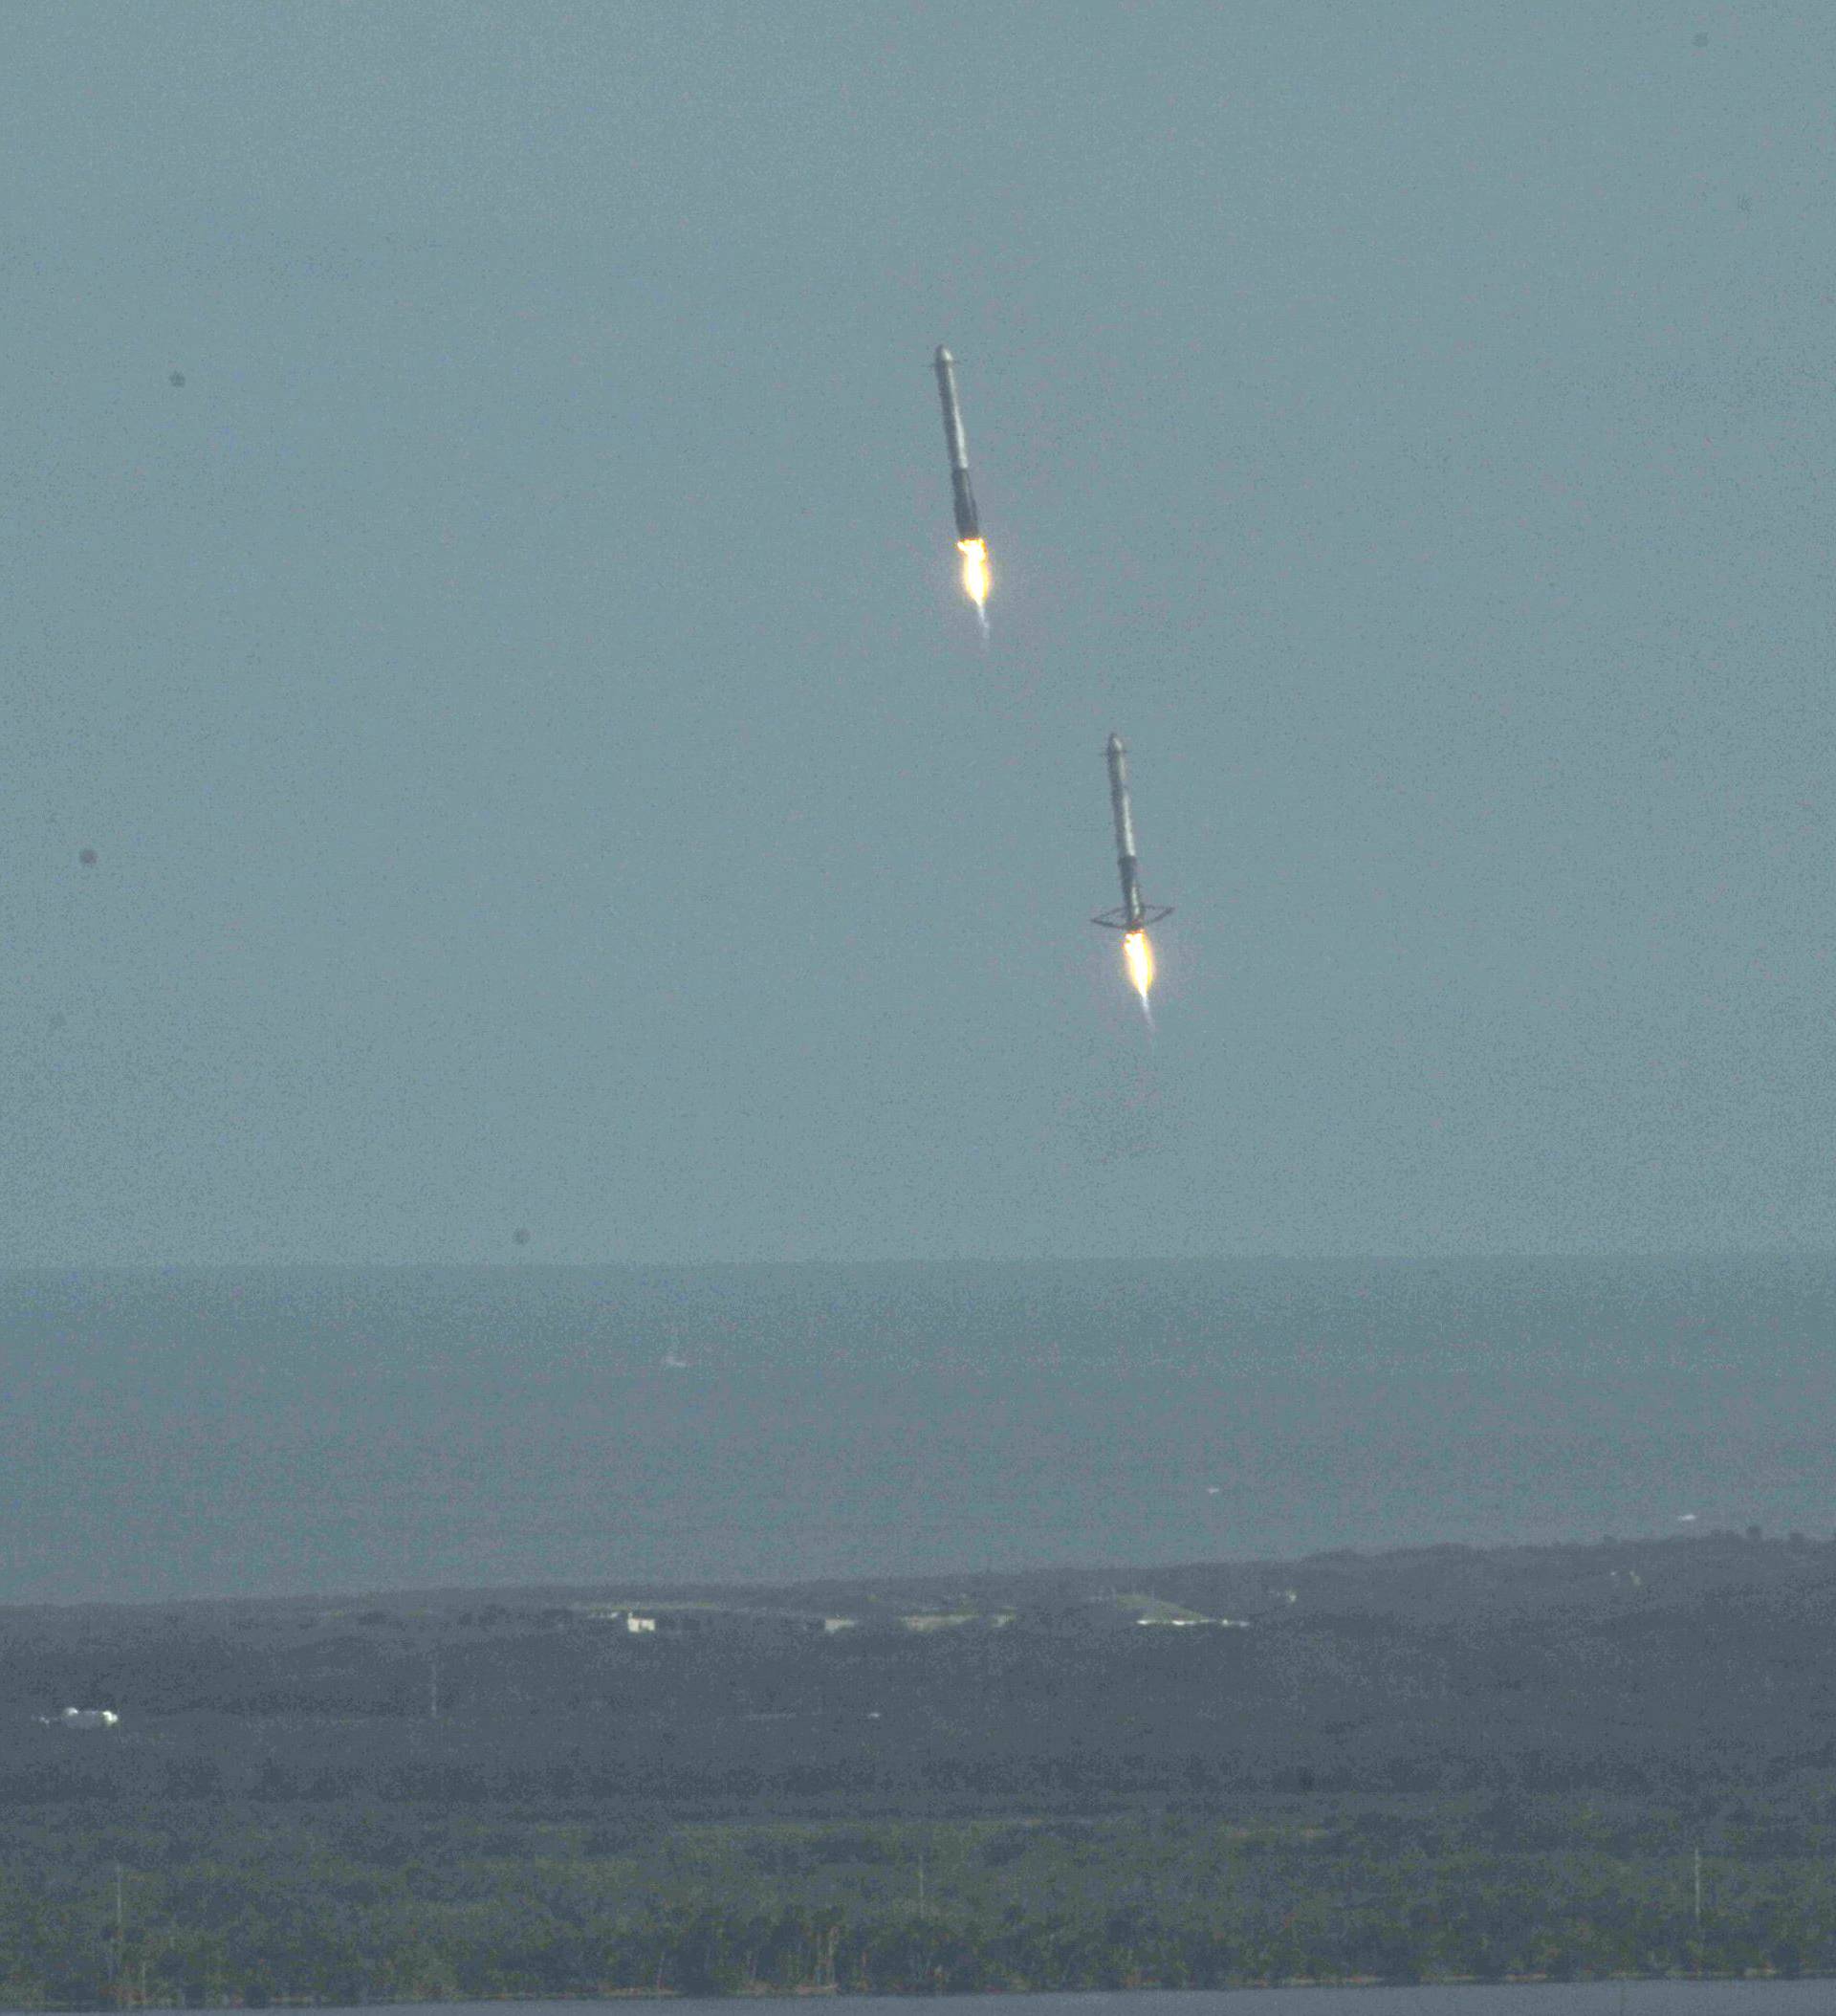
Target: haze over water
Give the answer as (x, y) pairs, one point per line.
(193, 1433)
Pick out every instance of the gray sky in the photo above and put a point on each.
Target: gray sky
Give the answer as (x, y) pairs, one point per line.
(542, 773)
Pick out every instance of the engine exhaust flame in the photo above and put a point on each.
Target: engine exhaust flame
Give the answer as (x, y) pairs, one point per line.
(974, 553)
(1138, 956)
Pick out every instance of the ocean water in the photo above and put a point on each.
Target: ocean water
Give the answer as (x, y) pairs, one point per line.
(191, 1433)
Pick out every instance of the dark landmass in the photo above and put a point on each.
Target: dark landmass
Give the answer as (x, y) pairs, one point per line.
(1626, 1667)
(1450, 1762)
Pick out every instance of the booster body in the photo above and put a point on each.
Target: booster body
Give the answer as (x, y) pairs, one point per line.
(1131, 914)
(968, 524)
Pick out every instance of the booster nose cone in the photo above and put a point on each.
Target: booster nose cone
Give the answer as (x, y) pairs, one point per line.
(942, 356)
(1114, 745)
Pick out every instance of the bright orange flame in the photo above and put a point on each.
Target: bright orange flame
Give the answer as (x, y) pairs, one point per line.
(1139, 957)
(974, 553)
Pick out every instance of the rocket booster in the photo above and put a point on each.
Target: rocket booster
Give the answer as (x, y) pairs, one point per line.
(1131, 914)
(969, 525)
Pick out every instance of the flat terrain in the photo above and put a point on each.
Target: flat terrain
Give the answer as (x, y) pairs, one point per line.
(1630, 1668)
(1450, 1761)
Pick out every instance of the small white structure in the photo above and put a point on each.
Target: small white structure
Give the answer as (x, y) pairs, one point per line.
(88, 1718)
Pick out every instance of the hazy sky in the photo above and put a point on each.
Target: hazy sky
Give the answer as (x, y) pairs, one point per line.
(542, 775)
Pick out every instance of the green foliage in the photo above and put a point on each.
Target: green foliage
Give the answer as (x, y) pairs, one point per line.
(258, 1904)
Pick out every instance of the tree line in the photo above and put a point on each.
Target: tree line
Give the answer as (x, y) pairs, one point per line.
(214, 1907)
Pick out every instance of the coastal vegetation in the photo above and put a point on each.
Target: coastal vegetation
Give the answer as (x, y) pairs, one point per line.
(1616, 1759)
(265, 1904)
